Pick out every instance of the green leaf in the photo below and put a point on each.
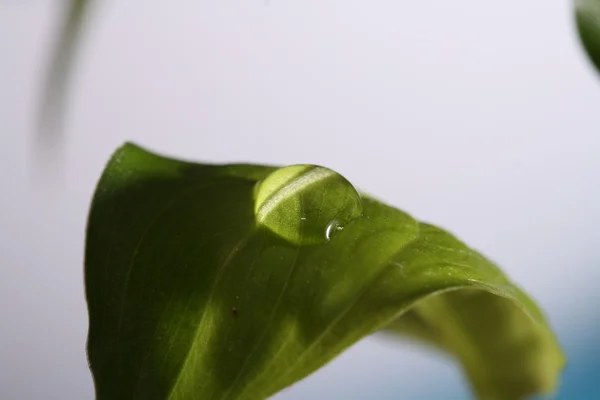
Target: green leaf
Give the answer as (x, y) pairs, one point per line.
(235, 281)
(503, 354)
(54, 95)
(587, 14)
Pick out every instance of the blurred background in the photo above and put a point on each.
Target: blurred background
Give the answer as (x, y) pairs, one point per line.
(482, 117)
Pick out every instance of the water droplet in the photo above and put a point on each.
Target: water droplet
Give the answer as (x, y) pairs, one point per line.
(306, 204)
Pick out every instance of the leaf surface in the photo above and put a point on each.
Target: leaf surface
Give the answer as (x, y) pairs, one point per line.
(235, 281)
(587, 14)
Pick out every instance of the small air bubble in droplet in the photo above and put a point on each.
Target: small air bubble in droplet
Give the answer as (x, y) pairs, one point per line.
(331, 229)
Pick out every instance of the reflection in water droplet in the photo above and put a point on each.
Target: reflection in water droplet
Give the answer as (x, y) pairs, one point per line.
(306, 204)
(332, 229)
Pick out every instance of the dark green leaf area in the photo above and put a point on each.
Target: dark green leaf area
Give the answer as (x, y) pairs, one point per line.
(587, 13)
(195, 291)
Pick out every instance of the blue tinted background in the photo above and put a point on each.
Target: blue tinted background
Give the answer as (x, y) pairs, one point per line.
(482, 117)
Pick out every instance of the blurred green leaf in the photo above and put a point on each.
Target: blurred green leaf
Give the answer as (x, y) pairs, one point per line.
(504, 355)
(587, 13)
(235, 281)
(54, 95)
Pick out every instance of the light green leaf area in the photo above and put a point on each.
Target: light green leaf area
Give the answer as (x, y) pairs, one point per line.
(235, 281)
(587, 14)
